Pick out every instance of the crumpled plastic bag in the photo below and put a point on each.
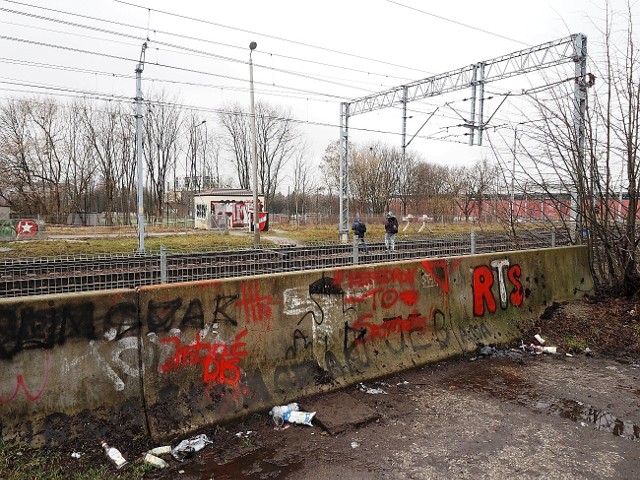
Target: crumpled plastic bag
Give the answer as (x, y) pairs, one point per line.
(303, 418)
(372, 391)
(187, 448)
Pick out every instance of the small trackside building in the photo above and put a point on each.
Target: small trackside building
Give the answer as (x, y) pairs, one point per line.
(225, 208)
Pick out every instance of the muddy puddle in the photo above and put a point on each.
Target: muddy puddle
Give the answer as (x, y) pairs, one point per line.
(503, 381)
(260, 464)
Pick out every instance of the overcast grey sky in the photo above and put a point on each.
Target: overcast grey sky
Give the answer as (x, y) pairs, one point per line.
(310, 55)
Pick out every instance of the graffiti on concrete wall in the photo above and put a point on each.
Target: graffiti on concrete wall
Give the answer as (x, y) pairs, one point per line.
(219, 361)
(26, 327)
(337, 324)
(483, 280)
(255, 306)
(21, 385)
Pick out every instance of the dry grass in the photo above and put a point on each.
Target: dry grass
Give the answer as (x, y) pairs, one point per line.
(66, 240)
(310, 233)
(103, 243)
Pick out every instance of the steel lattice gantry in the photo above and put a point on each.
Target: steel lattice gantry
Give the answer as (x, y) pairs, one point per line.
(475, 76)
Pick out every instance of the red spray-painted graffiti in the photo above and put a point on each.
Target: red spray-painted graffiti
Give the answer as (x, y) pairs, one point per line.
(220, 361)
(379, 291)
(386, 297)
(363, 278)
(483, 280)
(437, 269)
(20, 385)
(257, 308)
(414, 322)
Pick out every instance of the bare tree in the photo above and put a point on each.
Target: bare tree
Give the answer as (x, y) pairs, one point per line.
(19, 182)
(472, 187)
(303, 183)
(406, 167)
(162, 127)
(237, 140)
(99, 128)
(81, 163)
(373, 177)
(278, 140)
(580, 172)
(433, 189)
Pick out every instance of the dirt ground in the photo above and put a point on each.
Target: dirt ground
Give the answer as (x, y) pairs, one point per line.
(509, 414)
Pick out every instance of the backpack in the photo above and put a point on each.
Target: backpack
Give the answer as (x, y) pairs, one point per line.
(359, 228)
(393, 225)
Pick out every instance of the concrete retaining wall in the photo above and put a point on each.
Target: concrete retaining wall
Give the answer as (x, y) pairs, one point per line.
(169, 359)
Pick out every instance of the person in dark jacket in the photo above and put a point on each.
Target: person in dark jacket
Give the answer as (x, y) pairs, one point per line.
(359, 229)
(390, 230)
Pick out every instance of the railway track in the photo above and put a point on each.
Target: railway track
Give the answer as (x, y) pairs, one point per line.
(27, 277)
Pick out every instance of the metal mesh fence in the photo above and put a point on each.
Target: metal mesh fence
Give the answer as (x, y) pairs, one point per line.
(74, 273)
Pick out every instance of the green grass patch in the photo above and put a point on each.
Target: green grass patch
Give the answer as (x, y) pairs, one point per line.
(19, 461)
(22, 462)
(576, 344)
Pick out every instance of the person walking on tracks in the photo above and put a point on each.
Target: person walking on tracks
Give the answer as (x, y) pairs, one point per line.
(359, 229)
(390, 229)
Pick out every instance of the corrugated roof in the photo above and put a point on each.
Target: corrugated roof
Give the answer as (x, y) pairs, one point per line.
(236, 192)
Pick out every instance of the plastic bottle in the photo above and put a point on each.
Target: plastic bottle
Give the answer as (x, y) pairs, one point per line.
(160, 450)
(155, 461)
(539, 339)
(114, 455)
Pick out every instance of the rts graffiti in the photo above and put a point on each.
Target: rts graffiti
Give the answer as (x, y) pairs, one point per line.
(483, 281)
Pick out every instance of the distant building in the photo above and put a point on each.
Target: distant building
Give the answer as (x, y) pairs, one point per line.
(225, 208)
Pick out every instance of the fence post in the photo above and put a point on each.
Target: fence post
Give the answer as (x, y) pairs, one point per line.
(163, 264)
(473, 242)
(553, 237)
(355, 250)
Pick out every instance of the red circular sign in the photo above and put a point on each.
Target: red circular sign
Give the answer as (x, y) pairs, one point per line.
(26, 228)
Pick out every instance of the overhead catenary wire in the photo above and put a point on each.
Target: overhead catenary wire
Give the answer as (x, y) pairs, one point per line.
(77, 50)
(189, 37)
(182, 49)
(90, 95)
(196, 84)
(183, 69)
(456, 22)
(274, 37)
(327, 96)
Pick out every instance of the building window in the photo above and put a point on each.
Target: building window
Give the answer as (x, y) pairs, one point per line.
(201, 211)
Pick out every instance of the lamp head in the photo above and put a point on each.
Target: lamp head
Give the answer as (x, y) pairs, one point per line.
(253, 46)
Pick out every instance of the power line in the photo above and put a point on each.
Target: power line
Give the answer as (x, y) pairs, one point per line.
(188, 37)
(153, 79)
(210, 86)
(177, 47)
(274, 37)
(88, 95)
(458, 23)
(183, 69)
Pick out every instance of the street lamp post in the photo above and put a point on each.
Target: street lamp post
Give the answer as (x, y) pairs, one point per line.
(140, 181)
(194, 163)
(254, 159)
